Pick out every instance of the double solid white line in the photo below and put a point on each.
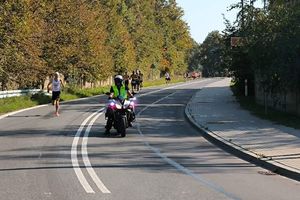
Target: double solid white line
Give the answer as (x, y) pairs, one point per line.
(84, 153)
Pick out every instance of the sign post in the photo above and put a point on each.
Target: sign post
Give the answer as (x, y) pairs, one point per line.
(246, 87)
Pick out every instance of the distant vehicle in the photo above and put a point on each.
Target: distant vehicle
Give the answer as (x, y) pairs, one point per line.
(195, 75)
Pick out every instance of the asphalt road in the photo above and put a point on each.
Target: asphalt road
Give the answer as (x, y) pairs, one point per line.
(162, 157)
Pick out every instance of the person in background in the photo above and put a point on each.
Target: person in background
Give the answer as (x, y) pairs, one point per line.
(141, 78)
(55, 84)
(134, 80)
(186, 76)
(168, 77)
(126, 79)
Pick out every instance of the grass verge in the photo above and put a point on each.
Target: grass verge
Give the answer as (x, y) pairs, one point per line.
(76, 93)
(17, 103)
(162, 81)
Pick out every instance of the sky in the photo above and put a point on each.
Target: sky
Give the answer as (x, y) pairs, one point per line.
(205, 16)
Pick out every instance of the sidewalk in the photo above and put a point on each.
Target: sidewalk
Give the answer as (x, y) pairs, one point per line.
(215, 112)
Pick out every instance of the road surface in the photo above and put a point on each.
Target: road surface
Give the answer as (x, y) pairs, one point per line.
(162, 157)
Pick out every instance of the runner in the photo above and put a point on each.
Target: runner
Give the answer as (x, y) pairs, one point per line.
(168, 77)
(141, 78)
(134, 80)
(126, 79)
(56, 88)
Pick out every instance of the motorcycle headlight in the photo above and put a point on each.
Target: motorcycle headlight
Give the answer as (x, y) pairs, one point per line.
(112, 104)
(131, 105)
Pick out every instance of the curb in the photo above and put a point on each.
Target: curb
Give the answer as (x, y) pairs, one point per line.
(241, 152)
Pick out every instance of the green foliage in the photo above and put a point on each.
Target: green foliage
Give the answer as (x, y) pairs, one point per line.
(16, 103)
(195, 58)
(20, 42)
(40, 98)
(89, 40)
(209, 57)
(212, 55)
(29, 100)
(88, 92)
(176, 38)
(162, 81)
(270, 49)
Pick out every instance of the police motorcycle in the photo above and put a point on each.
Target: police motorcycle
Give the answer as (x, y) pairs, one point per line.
(122, 113)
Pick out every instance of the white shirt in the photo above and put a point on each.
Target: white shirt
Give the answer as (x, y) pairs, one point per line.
(55, 85)
(167, 75)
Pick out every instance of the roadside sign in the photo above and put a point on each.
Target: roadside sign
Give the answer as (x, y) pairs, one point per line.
(236, 41)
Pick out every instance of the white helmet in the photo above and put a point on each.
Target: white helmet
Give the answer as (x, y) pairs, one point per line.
(118, 80)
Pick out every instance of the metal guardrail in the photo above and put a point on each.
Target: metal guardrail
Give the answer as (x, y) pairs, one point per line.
(16, 93)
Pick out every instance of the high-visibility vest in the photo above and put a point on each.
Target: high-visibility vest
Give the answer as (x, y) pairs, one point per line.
(122, 93)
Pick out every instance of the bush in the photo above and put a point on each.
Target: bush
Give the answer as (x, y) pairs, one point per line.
(40, 98)
(15, 103)
(87, 92)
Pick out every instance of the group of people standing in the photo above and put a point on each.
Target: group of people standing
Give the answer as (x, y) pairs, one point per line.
(136, 79)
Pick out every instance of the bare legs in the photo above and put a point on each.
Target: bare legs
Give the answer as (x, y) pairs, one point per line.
(56, 103)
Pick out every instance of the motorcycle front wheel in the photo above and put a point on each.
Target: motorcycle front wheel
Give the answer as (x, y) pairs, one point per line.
(122, 126)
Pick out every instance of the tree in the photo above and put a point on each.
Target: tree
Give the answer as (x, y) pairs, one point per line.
(20, 44)
(177, 40)
(212, 55)
(195, 58)
(120, 40)
(270, 48)
(89, 40)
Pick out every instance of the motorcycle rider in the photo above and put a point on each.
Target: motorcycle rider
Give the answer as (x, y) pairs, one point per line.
(119, 90)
